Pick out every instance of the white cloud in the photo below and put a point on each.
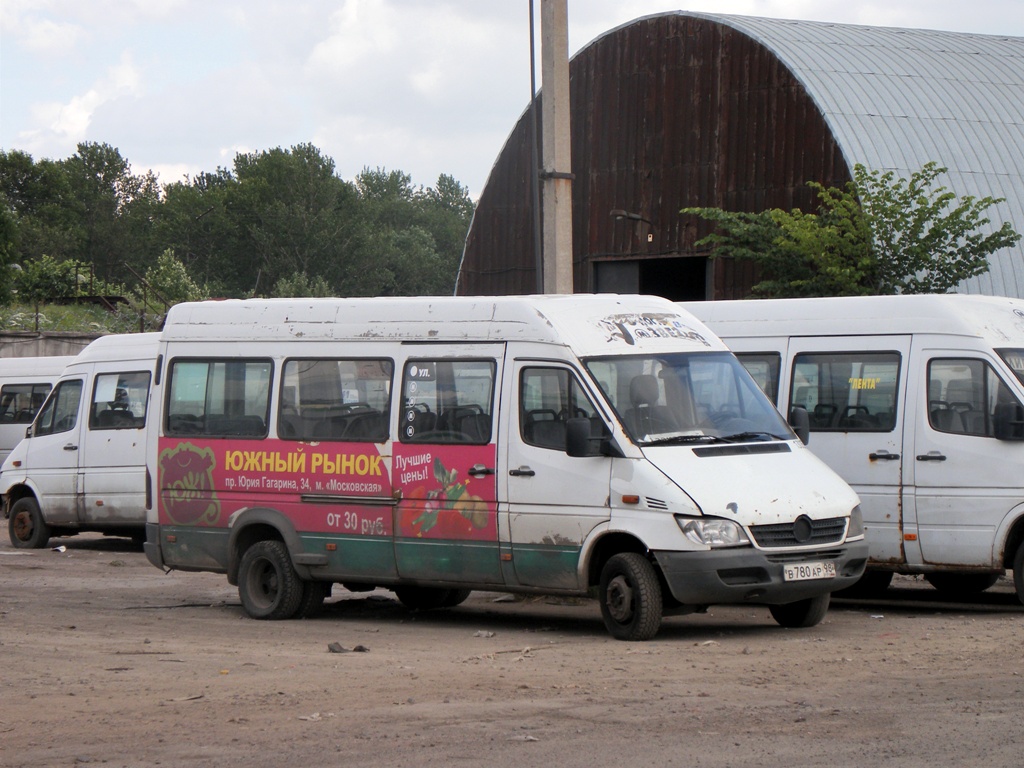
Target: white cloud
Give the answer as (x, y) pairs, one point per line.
(422, 86)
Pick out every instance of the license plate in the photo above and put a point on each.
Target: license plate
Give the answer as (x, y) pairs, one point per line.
(808, 571)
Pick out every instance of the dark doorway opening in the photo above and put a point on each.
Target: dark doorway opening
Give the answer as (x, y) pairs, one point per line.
(676, 279)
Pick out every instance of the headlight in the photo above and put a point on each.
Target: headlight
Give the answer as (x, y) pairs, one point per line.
(713, 532)
(856, 530)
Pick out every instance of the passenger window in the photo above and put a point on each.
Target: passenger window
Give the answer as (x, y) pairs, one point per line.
(447, 401)
(219, 398)
(335, 399)
(547, 398)
(764, 368)
(60, 412)
(963, 396)
(19, 403)
(847, 391)
(119, 401)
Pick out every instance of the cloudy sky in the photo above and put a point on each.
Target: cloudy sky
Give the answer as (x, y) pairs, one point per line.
(422, 86)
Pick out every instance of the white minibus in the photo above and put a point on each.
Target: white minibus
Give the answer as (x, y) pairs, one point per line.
(81, 466)
(24, 384)
(566, 445)
(917, 402)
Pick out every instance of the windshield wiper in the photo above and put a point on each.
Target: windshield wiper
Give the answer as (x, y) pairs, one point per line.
(680, 439)
(740, 437)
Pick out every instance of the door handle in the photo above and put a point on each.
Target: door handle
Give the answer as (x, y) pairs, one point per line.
(931, 456)
(883, 455)
(523, 471)
(70, 447)
(479, 470)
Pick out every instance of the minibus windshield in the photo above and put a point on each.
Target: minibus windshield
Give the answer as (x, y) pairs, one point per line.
(687, 397)
(1015, 359)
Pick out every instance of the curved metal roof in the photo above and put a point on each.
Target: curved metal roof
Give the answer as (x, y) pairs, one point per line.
(896, 99)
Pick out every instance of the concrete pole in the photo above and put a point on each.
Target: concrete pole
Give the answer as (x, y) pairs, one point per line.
(556, 147)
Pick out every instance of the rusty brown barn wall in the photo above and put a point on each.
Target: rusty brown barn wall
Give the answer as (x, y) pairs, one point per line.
(668, 112)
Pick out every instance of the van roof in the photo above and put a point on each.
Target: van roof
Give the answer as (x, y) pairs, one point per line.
(34, 367)
(120, 346)
(997, 319)
(590, 324)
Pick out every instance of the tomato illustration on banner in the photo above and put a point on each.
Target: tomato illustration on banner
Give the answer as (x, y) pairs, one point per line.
(440, 499)
(186, 472)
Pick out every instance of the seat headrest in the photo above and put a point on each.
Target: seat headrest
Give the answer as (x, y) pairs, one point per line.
(643, 390)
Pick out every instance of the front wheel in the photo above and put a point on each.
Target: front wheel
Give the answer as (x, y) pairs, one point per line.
(26, 526)
(630, 597)
(267, 582)
(802, 613)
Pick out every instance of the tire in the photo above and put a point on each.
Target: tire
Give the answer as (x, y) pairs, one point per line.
(1018, 572)
(630, 597)
(313, 595)
(422, 598)
(963, 583)
(802, 613)
(267, 582)
(456, 597)
(871, 584)
(26, 526)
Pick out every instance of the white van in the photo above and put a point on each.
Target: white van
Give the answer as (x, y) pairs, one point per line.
(567, 445)
(917, 402)
(81, 466)
(24, 384)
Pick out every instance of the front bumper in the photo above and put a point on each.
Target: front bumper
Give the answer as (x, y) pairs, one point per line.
(748, 575)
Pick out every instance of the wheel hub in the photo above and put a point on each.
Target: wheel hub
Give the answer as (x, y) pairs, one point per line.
(620, 599)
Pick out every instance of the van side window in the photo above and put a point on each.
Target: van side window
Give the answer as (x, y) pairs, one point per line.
(447, 401)
(547, 398)
(764, 368)
(60, 412)
(19, 403)
(119, 400)
(220, 398)
(335, 399)
(847, 391)
(963, 395)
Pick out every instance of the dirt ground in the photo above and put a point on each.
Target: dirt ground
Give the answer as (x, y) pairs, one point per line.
(108, 661)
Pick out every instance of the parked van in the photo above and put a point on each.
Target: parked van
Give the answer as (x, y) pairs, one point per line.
(81, 466)
(24, 384)
(917, 402)
(556, 445)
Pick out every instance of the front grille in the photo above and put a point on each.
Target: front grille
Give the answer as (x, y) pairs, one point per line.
(804, 532)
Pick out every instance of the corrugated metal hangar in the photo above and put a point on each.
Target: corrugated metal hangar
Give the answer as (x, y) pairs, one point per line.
(691, 109)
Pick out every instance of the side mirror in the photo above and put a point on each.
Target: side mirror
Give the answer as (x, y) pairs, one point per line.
(577, 437)
(580, 440)
(800, 421)
(1008, 421)
(28, 431)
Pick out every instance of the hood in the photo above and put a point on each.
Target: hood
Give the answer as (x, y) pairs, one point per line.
(756, 483)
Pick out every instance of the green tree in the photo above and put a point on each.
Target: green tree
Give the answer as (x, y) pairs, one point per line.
(114, 207)
(879, 235)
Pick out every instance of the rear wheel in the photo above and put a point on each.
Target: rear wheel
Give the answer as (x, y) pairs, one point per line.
(802, 613)
(456, 597)
(964, 583)
(267, 582)
(422, 598)
(1018, 572)
(630, 597)
(26, 526)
